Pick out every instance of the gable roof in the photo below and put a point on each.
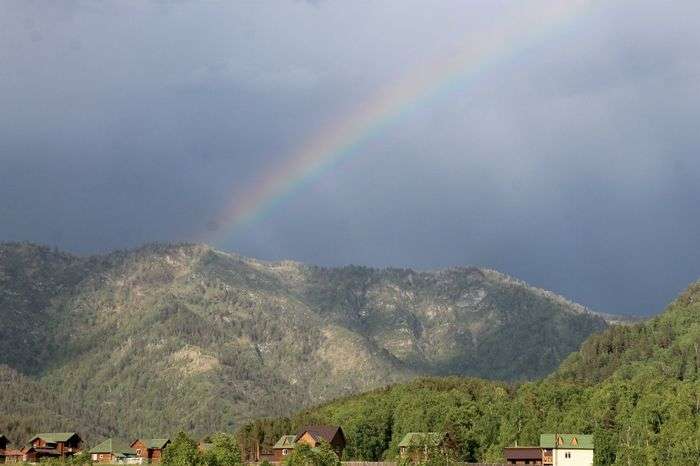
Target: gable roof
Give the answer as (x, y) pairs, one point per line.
(55, 436)
(45, 451)
(327, 433)
(286, 441)
(153, 443)
(430, 439)
(114, 446)
(523, 453)
(567, 441)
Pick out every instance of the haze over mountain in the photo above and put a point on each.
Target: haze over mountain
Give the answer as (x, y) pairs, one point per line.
(184, 336)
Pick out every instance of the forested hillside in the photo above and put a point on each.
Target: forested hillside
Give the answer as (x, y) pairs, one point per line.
(636, 388)
(171, 337)
(29, 407)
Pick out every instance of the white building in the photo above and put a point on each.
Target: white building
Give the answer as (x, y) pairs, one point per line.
(567, 449)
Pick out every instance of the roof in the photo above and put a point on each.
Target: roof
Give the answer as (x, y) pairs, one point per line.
(114, 446)
(153, 443)
(326, 433)
(431, 439)
(567, 441)
(157, 442)
(286, 441)
(523, 453)
(13, 453)
(55, 436)
(45, 451)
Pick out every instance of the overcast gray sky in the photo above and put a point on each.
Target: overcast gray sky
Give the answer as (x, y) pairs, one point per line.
(569, 161)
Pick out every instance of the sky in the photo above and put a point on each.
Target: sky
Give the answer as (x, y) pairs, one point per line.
(561, 151)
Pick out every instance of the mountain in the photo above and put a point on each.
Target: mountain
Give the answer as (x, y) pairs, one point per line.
(635, 388)
(170, 337)
(29, 407)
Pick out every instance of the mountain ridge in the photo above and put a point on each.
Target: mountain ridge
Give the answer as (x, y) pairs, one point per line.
(162, 336)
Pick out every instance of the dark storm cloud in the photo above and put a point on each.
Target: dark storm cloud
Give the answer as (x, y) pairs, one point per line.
(571, 164)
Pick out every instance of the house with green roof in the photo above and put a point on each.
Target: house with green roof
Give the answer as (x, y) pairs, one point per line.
(52, 445)
(113, 452)
(567, 449)
(554, 450)
(419, 446)
(150, 449)
(284, 446)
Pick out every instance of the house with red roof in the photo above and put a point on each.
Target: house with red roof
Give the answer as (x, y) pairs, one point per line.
(314, 435)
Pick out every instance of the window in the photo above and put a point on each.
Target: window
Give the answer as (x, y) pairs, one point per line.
(567, 455)
(100, 455)
(138, 451)
(284, 452)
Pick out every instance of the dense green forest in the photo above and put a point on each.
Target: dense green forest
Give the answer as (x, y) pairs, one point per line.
(29, 407)
(184, 337)
(635, 388)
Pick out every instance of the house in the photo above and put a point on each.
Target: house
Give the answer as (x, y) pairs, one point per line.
(3, 447)
(113, 452)
(418, 446)
(13, 456)
(253, 452)
(52, 445)
(313, 435)
(567, 449)
(150, 449)
(523, 455)
(283, 447)
(8, 455)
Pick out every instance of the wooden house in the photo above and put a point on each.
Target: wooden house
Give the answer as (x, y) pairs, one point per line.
(8, 455)
(313, 435)
(13, 456)
(283, 447)
(151, 450)
(419, 446)
(254, 452)
(52, 445)
(113, 452)
(3, 447)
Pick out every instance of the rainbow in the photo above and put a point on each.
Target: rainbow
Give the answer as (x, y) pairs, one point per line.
(340, 140)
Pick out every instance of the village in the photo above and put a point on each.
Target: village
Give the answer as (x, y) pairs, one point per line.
(415, 448)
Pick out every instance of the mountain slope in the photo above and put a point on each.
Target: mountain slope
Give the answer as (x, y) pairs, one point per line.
(184, 336)
(636, 388)
(29, 407)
